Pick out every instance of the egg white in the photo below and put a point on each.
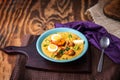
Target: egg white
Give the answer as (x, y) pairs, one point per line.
(78, 41)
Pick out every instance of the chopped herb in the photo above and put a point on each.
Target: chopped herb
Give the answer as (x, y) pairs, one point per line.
(66, 58)
(47, 41)
(69, 36)
(63, 58)
(67, 48)
(61, 51)
(76, 47)
(45, 45)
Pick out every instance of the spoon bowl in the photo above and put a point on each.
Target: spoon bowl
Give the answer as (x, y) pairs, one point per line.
(104, 43)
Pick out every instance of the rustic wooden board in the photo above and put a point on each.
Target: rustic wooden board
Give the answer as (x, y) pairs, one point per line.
(35, 61)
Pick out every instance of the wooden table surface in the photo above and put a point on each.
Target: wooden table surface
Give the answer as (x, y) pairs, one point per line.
(31, 17)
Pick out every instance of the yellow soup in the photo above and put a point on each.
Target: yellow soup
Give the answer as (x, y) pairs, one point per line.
(62, 45)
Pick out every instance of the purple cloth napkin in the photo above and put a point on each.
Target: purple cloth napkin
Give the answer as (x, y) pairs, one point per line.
(94, 32)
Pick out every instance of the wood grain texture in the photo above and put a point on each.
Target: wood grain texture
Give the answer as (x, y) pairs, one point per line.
(22, 17)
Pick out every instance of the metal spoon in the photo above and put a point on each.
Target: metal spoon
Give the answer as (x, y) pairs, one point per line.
(104, 43)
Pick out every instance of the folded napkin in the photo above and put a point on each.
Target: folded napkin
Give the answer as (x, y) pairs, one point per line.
(94, 32)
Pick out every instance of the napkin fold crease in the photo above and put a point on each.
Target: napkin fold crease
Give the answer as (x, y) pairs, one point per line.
(94, 32)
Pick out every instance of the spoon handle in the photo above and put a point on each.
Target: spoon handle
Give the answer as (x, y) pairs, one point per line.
(100, 64)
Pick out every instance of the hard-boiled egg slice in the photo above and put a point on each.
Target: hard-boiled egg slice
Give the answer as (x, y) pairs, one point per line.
(78, 41)
(56, 37)
(52, 47)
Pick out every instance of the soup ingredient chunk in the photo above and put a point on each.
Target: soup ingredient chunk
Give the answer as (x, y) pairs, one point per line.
(59, 43)
(55, 37)
(71, 52)
(52, 47)
(57, 40)
(78, 41)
